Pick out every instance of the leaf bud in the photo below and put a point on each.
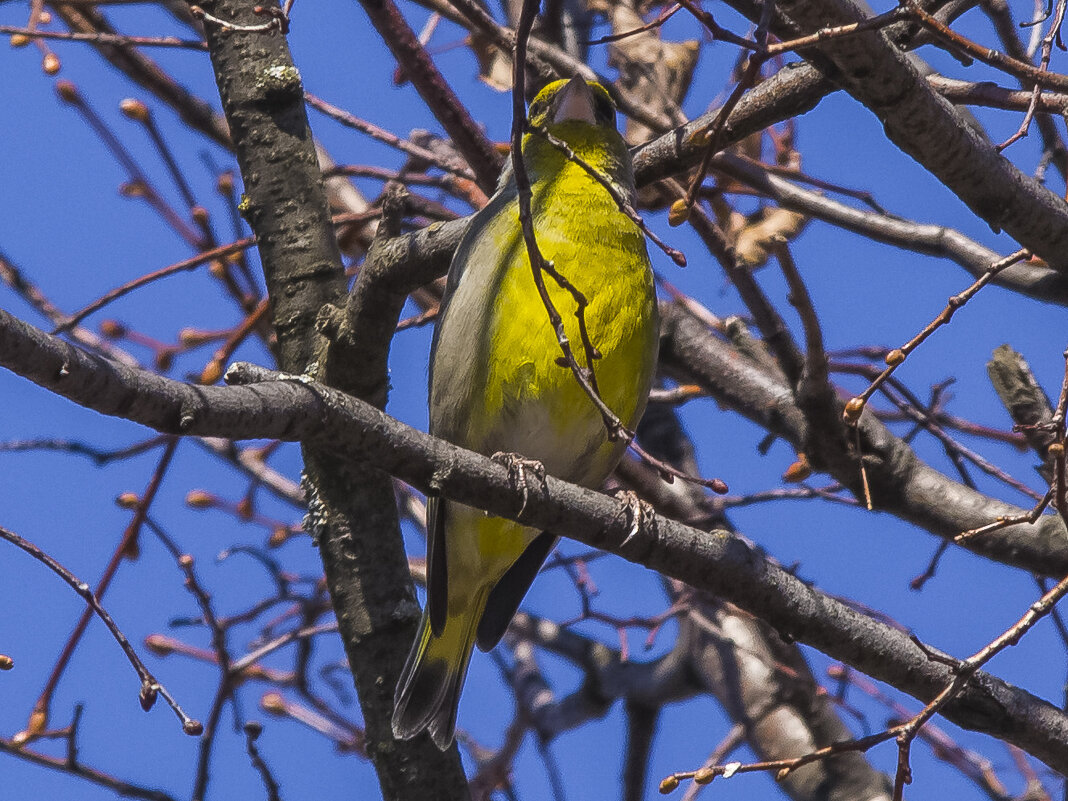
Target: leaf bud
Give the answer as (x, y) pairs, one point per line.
(852, 410)
(50, 64)
(212, 372)
(159, 645)
(668, 785)
(67, 92)
(134, 109)
(273, 703)
(38, 721)
(112, 329)
(798, 471)
(704, 776)
(678, 213)
(200, 499)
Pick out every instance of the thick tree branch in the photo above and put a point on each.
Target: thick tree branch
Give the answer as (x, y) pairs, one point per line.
(1031, 278)
(301, 409)
(351, 506)
(763, 682)
(927, 127)
(900, 482)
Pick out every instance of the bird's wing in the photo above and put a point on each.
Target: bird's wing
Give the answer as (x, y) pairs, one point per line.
(507, 594)
(437, 592)
(462, 257)
(437, 573)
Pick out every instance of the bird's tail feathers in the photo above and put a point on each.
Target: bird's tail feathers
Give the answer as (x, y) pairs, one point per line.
(428, 691)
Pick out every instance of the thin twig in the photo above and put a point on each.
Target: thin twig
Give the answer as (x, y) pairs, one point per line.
(896, 358)
(182, 266)
(105, 38)
(150, 686)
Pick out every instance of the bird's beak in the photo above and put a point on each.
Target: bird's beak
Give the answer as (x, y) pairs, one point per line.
(576, 103)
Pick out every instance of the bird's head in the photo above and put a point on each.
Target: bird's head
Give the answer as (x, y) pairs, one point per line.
(580, 116)
(571, 101)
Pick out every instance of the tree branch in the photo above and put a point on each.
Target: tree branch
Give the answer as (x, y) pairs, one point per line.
(927, 127)
(352, 510)
(718, 562)
(900, 482)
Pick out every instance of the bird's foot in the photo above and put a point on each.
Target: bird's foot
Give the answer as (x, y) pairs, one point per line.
(518, 467)
(639, 514)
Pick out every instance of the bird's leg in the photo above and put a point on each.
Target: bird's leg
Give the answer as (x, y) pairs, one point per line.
(518, 466)
(639, 514)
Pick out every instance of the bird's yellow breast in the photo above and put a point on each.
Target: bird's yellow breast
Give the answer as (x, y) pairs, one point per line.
(515, 396)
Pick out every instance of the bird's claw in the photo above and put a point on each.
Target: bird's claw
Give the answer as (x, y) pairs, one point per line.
(517, 473)
(639, 514)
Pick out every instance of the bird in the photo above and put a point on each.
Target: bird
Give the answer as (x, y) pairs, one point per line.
(499, 386)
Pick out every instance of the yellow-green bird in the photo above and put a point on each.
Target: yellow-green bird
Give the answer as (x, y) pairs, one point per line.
(497, 384)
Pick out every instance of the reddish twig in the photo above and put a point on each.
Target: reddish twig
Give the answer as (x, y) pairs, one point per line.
(150, 686)
(127, 545)
(182, 266)
(896, 357)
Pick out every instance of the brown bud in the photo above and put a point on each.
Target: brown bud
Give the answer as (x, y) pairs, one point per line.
(798, 471)
(112, 329)
(127, 500)
(700, 138)
(19, 40)
(159, 645)
(149, 693)
(668, 785)
(253, 728)
(50, 64)
(132, 551)
(895, 357)
(200, 499)
(190, 337)
(273, 703)
(225, 184)
(217, 269)
(6, 662)
(44, 18)
(135, 109)
(38, 721)
(193, 728)
(782, 774)
(67, 92)
(199, 214)
(279, 537)
(852, 410)
(164, 359)
(704, 776)
(185, 560)
(679, 212)
(133, 189)
(212, 372)
(1055, 450)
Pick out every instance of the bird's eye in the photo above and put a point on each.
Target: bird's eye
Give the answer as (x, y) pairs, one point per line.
(604, 109)
(536, 109)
